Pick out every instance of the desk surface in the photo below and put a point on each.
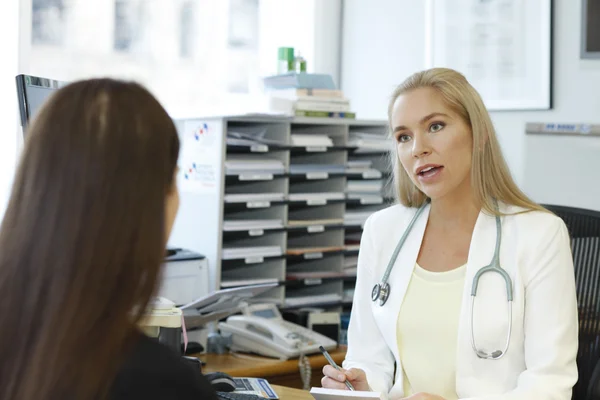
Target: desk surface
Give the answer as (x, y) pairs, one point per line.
(249, 365)
(287, 393)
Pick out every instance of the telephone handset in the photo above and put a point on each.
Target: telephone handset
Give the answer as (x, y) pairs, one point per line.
(262, 330)
(264, 327)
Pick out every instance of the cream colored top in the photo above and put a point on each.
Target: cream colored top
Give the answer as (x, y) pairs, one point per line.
(428, 329)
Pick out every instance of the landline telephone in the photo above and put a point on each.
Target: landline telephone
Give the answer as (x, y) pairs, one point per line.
(262, 330)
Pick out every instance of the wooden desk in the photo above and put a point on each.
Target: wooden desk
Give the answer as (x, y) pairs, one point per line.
(284, 373)
(287, 393)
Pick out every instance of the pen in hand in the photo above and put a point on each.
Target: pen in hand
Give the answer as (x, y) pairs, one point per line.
(334, 365)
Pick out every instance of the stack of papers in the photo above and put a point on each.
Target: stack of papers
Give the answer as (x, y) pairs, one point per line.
(313, 140)
(313, 222)
(351, 246)
(320, 393)
(366, 198)
(369, 142)
(298, 251)
(234, 253)
(366, 186)
(348, 295)
(226, 283)
(246, 139)
(232, 141)
(248, 224)
(246, 197)
(239, 164)
(350, 265)
(358, 165)
(313, 275)
(322, 196)
(367, 191)
(312, 299)
(309, 168)
(364, 168)
(356, 217)
(350, 262)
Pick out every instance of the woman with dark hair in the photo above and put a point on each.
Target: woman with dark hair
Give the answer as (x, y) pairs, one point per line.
(81, 247)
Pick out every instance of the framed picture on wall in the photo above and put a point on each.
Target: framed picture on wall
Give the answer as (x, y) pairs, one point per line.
(503, 47)
(590, 29)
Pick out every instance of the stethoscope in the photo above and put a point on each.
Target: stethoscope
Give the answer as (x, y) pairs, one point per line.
(381, 291)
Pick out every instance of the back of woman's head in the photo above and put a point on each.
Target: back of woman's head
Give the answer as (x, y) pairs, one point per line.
(490, 176)
(83, 237)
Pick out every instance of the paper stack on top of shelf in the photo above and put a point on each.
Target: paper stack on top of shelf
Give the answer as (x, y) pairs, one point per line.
(239, 164)
(306, 95)
(369, 142)
(312, 106)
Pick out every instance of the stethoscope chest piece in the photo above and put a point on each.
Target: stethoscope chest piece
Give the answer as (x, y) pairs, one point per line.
(375, 292)
(381, 292)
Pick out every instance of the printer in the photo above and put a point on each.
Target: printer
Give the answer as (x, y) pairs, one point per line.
(184, 276)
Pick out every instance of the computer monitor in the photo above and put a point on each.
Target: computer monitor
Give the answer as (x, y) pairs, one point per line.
(32, 92)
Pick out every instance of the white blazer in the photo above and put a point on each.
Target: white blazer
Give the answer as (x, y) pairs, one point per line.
(535, 251)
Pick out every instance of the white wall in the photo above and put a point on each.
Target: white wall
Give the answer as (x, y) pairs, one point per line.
(312, 27)
(9, 31)
(327, 36)
(383, 42)
(563, 170)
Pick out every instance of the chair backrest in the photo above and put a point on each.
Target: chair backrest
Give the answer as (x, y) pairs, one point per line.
(584, 228)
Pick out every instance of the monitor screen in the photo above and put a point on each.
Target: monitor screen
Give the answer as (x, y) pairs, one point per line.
(32, 92)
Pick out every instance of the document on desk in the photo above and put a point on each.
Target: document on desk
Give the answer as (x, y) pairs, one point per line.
(257, 386)
(342, 394)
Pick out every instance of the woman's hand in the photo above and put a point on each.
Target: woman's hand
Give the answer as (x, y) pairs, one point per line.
(423, 396)
(334, 379)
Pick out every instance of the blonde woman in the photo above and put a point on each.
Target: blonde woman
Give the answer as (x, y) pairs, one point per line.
(414, 332)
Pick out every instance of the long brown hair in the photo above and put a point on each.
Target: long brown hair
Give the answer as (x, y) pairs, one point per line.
(82, 239)
(490, 175)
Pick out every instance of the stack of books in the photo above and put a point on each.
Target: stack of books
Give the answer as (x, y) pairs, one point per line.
(306, 95)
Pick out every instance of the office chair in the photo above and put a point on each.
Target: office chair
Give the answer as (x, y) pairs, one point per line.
(584, 228)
